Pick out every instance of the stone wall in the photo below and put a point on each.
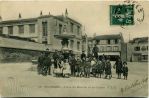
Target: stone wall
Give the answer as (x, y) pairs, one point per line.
(14, 50)
(18, 55)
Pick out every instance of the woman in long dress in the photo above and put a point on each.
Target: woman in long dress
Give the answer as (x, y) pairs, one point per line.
(52, 67)
(93, 63)
(66, 69)
(58, 70)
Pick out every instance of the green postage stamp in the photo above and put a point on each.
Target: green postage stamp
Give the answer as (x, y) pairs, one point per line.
(122, 14)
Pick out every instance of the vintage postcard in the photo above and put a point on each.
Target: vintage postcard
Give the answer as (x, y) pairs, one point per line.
(74, 48)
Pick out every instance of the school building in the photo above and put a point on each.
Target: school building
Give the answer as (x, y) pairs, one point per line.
(41, 33)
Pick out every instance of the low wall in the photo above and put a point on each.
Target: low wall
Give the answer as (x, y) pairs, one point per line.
(13, 50)
(18, 55)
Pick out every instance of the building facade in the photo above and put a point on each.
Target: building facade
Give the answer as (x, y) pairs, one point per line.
(43, 29)
(111, 45)
(137, 50)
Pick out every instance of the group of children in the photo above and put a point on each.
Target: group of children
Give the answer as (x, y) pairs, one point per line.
(62, 69)
(88, 67)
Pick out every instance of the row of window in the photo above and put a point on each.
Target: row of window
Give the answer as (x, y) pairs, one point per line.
(63, 28)
(144, 57)
(108, 48)
(114, 41)
(143, 48)
(20, 29)
(72, 44)
(72, 28)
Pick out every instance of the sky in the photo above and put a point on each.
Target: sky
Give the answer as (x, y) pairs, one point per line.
(93, 15)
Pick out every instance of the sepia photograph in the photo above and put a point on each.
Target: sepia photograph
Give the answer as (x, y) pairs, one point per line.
(74, 48)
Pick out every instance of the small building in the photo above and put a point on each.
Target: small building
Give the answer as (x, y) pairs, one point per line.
(137, 49)
(111, 45)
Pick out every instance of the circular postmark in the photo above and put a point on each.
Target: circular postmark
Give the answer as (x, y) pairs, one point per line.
(138, 11)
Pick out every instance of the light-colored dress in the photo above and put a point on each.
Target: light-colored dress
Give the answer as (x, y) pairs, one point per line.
(52, 69)
(66, 68)
(92, 64)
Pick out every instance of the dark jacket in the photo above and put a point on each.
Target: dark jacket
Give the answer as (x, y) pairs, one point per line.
(83, 56)
(119, 66)
(73, 62)
(125, 70)
(47, 61)
(40, 60)
(95, 49)
(108, 68)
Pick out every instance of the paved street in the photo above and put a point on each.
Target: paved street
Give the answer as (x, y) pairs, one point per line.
(18, 79)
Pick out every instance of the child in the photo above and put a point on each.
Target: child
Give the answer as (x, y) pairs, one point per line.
(77, 68)
(87, 68)
(99, 68)
(125, 70)
(66, 69)
(108, 69)
(52, 67)
(93, 63)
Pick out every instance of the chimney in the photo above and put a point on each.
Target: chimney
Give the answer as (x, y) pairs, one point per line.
(41, 13)
(20, 16)
(66, 13)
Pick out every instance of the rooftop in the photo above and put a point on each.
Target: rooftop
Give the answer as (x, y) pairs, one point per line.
(59, 17)
(106, 37)
(18, 20)
(139, 40)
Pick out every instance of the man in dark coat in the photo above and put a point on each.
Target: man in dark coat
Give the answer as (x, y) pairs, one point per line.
(87, 68)
(73, 63)
(95, 51)
(40, 63)
(108, 69)
(99, 68)
(118, 65)
(78, 64)
(55, 57)
(46, 64)
(103, 62)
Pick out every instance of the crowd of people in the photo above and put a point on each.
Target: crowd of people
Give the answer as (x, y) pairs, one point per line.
(66, 64)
